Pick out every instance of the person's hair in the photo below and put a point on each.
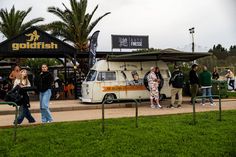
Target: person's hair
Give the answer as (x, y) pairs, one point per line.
(16, 67)
(152, 68)
(44, 64)
(24, 78)
(194, 66)
(204, 68)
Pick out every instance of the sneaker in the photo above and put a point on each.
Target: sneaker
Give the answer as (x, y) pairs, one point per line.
(33, 121)
(170, 106)
(179, 106)
(153, 106)
(212, 104)
(57, 96)
(158, 106)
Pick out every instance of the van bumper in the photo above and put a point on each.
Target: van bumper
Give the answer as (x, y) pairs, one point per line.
(86, 100)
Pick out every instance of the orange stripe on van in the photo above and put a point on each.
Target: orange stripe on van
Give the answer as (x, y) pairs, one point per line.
(123, 88)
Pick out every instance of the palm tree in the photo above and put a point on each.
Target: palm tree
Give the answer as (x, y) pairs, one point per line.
(11, 23)
(75, 24)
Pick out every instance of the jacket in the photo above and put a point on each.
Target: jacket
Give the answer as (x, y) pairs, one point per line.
(193, 77)
(45, 81)
(205, 78)
(177, 79)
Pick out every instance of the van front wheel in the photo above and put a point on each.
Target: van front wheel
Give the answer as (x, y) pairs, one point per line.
(109, 98)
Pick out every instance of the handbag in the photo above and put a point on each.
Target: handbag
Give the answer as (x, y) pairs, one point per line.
(14, 95)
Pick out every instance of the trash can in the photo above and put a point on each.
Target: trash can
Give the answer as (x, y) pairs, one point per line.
(220, 88)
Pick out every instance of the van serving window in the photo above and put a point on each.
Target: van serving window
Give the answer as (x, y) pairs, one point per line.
(91, 75)
(106, 76)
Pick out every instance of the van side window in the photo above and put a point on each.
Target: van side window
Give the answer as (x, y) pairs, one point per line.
(106, 76)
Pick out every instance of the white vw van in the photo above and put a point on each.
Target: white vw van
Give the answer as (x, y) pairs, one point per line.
(121, 80)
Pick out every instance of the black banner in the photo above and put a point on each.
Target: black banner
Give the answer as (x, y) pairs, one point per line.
(93, 48)
(129, 42)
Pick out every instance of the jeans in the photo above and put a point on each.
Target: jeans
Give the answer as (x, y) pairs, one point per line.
(206, 92)
(24, 113)
(44, 98)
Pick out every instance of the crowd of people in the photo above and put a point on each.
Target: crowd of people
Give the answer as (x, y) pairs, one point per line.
(19, 93)
(201, 81)
(45, 82)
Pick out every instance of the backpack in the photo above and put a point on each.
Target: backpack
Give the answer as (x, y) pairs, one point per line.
(178, 80)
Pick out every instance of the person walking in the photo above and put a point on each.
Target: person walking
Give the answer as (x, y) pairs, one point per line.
(153, 86)
(230, 77)
(22, 82)
(194, 82)
(176, 82)
(45, 82)
(206, 85)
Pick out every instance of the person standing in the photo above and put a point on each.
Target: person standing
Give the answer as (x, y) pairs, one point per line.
(230, 76)
(45, 82)
(24, 112)
(160, 80)
(177, 82)
(194, 82)
(215, 74)
(153, 86)
(206, 84)
(15, 73)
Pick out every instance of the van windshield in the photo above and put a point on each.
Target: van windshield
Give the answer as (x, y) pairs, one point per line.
(91, 75)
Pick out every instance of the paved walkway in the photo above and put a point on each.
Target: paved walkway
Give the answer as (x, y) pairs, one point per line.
(73, 110)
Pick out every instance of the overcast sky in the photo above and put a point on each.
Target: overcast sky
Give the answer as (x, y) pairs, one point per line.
(166, 22)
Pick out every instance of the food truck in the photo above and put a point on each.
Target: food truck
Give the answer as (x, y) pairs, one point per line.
(108, 80)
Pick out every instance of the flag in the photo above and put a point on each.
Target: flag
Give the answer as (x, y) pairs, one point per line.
(93, 48)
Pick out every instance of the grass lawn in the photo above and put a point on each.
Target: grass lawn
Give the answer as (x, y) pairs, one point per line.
(170, 135)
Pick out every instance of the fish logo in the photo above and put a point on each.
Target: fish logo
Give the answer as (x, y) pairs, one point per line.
(33, 36)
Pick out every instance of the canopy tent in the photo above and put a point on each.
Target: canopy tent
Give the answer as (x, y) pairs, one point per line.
(165, 55)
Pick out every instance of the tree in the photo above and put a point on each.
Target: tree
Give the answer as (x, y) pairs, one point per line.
(219, 51)
(232, 50)
(11, 23)
(75, 24)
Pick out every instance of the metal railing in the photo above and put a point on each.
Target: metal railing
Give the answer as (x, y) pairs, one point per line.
(118, 100)
(200, 97)
(16, 113)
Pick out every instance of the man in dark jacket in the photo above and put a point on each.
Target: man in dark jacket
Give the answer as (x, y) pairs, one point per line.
(206, 84)
(177, 82)
(194, 82)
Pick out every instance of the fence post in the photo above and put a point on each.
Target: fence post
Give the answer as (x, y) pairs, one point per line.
(194, 114)
(16, 114)
(15, 123)
(220, 107)
(103, 128)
